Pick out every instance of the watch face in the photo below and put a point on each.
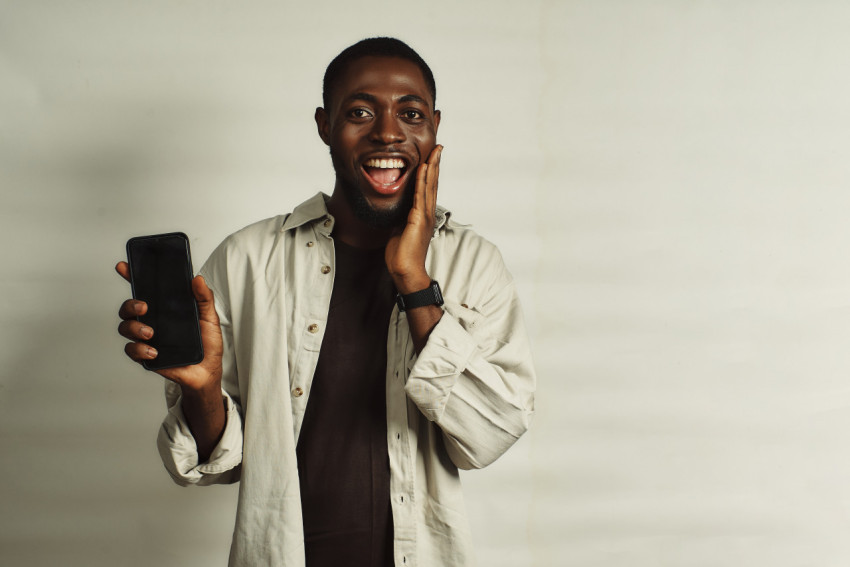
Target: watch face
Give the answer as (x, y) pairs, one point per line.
(438, 296)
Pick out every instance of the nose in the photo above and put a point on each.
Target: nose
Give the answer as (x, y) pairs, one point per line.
(387, 129)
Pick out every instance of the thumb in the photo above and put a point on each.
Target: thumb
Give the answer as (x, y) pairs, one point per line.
(206, 300)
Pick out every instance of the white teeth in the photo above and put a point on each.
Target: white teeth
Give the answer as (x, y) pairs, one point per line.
(391, 163)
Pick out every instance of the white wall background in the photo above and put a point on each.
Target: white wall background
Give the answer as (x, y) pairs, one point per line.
(668, 181)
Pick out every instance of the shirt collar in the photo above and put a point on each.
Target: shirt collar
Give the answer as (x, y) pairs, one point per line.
(310, 210)
(315, 208)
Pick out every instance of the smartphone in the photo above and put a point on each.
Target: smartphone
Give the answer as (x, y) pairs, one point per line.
(161, 276)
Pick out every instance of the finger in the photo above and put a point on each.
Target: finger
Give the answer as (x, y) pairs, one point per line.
(433, 178)
(206, 300)
(421, 181)
(123, 269)
(135, 330)
(434, 155)
(140, 351)
(433, 167)
(132, 308)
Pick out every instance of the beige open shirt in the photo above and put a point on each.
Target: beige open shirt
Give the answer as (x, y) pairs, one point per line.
(461, 403)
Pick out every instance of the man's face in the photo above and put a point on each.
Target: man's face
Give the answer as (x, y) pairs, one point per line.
(380, 125)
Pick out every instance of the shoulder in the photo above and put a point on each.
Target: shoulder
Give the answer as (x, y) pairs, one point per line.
(254, 237)
(244, 249)
(457, 238)
(234, 263)
(461, 254)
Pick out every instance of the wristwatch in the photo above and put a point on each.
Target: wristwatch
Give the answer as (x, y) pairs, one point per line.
(431, 295)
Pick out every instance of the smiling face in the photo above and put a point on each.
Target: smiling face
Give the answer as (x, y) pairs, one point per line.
(380, 125)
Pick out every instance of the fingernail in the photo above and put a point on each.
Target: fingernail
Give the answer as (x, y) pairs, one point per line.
(137, 307)
(147, 332)
(152, 352)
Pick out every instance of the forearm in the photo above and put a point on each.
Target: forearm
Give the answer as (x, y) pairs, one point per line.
(205, 412)
(421, 322)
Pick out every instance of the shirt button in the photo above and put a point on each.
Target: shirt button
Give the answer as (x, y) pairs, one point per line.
(310, 244)
(326, 269)
(297, 392)
(464, 305)
(328, 222)
(313, 328)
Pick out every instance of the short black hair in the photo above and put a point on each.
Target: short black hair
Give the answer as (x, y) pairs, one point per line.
(374, 47)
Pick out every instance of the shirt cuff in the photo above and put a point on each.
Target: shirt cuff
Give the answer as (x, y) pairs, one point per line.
(179, 451)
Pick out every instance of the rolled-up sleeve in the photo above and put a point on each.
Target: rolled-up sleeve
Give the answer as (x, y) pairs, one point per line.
(180, 453)
(475, 379)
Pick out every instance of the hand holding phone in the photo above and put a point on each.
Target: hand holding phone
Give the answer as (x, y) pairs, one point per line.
(184, 357)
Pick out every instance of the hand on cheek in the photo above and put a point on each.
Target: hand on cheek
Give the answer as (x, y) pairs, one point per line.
(407, 248)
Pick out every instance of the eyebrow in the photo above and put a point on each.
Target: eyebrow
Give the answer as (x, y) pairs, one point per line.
(362, 96)
(413, 98)
(372, 98)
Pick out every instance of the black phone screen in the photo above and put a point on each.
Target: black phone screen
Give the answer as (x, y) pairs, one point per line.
(161, 276)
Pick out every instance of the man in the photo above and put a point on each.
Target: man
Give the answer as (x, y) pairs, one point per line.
(344, 415)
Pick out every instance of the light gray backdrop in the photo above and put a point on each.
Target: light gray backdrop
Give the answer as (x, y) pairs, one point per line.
(667, 181)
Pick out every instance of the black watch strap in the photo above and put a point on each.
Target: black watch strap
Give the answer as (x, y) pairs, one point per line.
(431, 295)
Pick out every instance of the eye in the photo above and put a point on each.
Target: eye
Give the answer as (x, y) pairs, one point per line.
(412, 115)
(359, 113)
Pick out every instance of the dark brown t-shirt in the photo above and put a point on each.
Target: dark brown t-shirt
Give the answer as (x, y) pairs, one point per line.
(343, 464)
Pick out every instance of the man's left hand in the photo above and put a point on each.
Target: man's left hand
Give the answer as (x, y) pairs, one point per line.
(408, 246)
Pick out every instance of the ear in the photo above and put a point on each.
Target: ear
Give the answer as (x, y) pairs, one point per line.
(436, 120)
(324, 126)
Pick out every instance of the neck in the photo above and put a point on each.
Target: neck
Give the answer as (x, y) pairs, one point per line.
(350, 229)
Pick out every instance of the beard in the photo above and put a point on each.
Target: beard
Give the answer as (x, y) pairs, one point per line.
(392, 217)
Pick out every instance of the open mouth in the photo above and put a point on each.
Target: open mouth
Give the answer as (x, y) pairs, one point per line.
(387, 175)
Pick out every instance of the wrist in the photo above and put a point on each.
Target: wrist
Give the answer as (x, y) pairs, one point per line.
(207, 392)
(413, 283)
(430, 296)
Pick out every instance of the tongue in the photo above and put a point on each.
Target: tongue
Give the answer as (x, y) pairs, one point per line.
(383, 176)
